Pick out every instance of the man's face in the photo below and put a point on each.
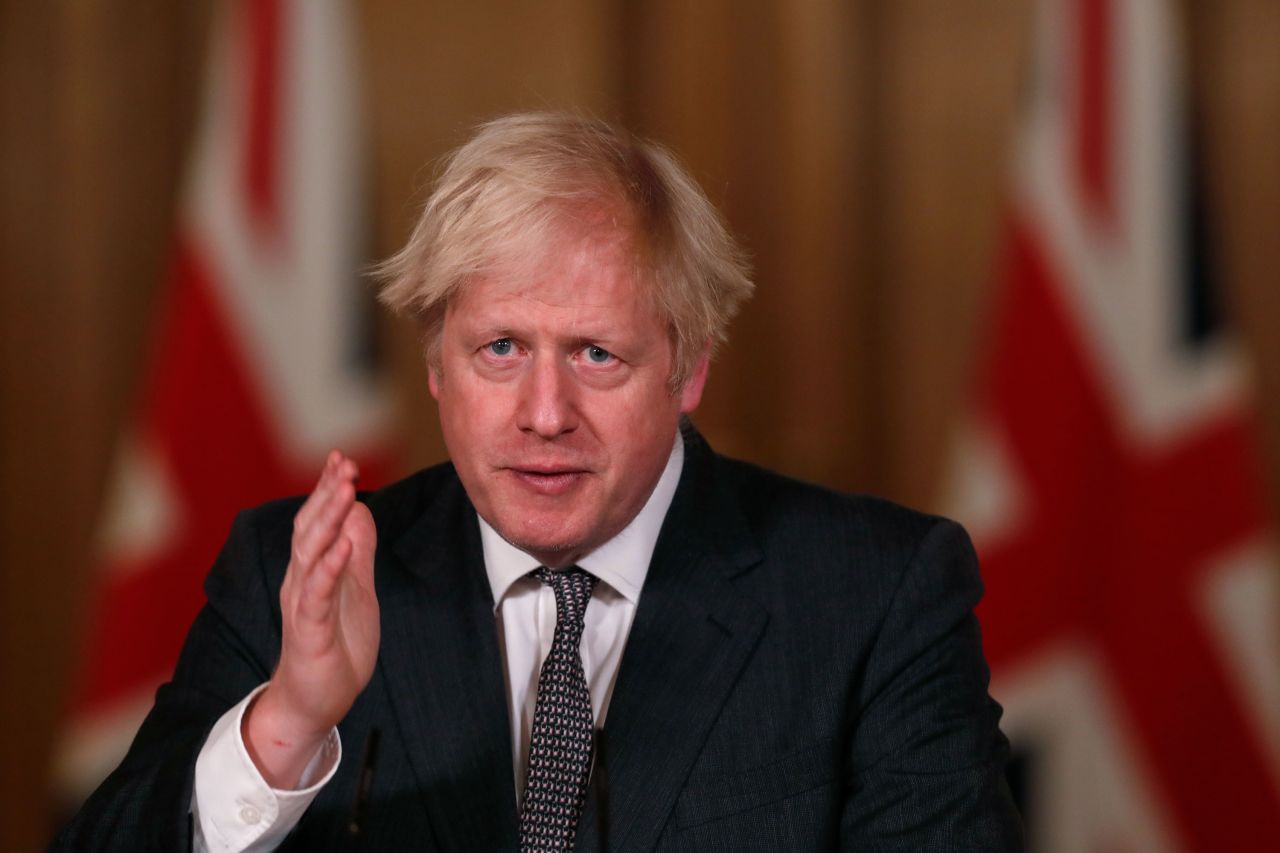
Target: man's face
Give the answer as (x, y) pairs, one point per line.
(554, 398)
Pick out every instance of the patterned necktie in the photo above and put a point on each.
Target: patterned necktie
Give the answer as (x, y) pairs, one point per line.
(560, 743)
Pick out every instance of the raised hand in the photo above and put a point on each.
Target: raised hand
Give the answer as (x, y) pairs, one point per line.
(330, 628)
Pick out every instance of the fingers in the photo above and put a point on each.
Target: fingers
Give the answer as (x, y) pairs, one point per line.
(320, 548)
(337, 469)
(319, 521)
(318, 596)
(316, 537)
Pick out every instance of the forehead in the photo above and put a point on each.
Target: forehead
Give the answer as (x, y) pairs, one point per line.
(587, 272)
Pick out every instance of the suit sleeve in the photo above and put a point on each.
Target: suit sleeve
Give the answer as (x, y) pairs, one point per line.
(928, 757)
(231, 649)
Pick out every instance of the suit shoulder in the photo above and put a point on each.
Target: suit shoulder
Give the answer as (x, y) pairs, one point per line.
(781, 508)
(774, 492)
(821, 554)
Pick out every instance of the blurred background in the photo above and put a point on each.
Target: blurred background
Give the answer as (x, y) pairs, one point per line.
(1016, 261)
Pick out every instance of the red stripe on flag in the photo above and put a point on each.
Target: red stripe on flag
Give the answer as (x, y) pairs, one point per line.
(1094, 169)
(263, 30)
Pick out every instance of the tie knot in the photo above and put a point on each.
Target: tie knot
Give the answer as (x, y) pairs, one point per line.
(572, 588)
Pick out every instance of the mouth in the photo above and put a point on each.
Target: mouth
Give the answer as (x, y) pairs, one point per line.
(548, 481)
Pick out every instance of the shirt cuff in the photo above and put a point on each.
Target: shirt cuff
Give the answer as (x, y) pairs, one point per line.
(233, 806)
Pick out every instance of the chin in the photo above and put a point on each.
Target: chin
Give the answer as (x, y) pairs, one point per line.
(552, 554)
(550, 543)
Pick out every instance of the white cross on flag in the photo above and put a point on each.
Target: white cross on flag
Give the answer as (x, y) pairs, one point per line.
(259, 364)
(1110, 472)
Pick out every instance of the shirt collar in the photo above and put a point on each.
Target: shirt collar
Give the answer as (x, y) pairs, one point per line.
(622, 562)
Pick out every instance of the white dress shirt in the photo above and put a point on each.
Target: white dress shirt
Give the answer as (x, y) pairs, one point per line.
(235, 809)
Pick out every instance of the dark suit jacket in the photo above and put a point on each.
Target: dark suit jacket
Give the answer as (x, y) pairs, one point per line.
(804, 672)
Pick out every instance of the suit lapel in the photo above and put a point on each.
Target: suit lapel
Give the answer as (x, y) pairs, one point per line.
(439, 653)
(692, 635)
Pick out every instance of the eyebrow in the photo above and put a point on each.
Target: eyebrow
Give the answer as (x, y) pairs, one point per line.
(583, 333)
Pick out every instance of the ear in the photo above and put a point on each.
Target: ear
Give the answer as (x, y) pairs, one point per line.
(691, 391)
(433, 381)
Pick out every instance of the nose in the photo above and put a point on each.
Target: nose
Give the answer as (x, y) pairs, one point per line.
(548, 398)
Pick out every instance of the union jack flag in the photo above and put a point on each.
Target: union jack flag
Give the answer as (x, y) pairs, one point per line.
(1110, 473)
(260, 362)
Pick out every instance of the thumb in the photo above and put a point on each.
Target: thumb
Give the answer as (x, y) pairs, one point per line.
(358, 527)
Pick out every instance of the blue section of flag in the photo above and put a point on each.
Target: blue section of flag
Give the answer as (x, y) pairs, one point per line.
(1202, 315)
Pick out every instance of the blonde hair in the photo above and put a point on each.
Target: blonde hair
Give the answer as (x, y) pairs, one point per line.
(509, 188)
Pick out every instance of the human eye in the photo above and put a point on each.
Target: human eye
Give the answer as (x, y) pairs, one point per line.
(502, 347)
(598, 355)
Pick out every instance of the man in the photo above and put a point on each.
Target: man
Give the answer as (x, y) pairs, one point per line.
(589, 627)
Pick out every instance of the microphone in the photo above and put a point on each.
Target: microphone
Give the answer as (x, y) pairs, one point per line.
(360, 805)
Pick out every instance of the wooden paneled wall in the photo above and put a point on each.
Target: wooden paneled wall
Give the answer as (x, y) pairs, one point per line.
(97, 101)
(857, 147)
